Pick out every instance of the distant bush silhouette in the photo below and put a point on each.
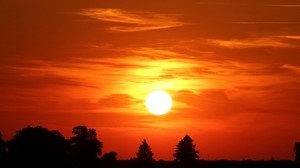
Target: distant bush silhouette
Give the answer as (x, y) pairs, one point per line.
(185, 150)
(109, 157)
(297, 151)
(33, 144)
(144, 153)
(84, 145)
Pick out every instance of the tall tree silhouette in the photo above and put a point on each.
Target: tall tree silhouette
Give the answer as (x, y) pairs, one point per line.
(37, 144)
(84, 145)
(297, 151)
(144, 153)
(185, 150)
(2, 147)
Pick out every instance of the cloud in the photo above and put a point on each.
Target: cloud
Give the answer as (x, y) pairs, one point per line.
(117, 101)
(38, 77)
(156, 53)
(270, 42)
(291, 67)
(210, 102)
(132, 21)
(266, 23)
(282, 96)
(293, 37)
(284, 5)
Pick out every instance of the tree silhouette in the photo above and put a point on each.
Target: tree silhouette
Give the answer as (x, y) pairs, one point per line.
(2, 147)
(144, 153)
(297, 151)
(84, 145)
(185, 150)
(37, 144)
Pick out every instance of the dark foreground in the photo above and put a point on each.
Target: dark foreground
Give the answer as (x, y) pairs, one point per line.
(156, 164)
(208, 164)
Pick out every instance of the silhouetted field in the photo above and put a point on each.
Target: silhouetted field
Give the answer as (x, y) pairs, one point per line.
(154, 164)
(207, 164)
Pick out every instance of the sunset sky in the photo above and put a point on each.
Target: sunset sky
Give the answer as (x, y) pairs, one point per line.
(231, 67)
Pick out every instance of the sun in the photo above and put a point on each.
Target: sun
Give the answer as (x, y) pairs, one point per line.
(158, 102)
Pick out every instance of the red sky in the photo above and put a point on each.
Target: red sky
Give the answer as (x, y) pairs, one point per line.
(232, 68)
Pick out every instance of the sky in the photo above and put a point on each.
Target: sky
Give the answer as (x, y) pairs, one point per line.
(231, 67)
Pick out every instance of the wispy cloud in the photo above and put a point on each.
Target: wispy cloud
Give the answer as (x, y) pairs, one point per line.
(133, 21)
(252, 43)
(267, 23)
(293, 37)
(117, 101)
(291, 67)
(155, 53)
(284, 5)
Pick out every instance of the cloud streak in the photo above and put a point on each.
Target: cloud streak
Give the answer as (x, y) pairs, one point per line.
(293, 37)
(291, 67)
(284, 5)
(266, 23)
(262, 42)
(132, 21)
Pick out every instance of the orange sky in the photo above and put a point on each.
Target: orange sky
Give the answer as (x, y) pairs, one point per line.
(232, 68)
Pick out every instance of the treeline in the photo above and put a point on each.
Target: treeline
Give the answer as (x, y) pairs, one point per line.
(40, 147)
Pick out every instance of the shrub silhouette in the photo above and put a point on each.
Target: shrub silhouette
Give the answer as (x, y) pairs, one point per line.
(144, 153)
(109, 157)
(84, 145)
(32, 144)
(185, 150)
(297, 151)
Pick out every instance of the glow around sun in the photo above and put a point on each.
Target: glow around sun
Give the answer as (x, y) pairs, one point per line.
(158, 102)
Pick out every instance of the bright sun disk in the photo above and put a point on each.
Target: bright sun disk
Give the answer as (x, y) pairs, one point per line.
(158, 102)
